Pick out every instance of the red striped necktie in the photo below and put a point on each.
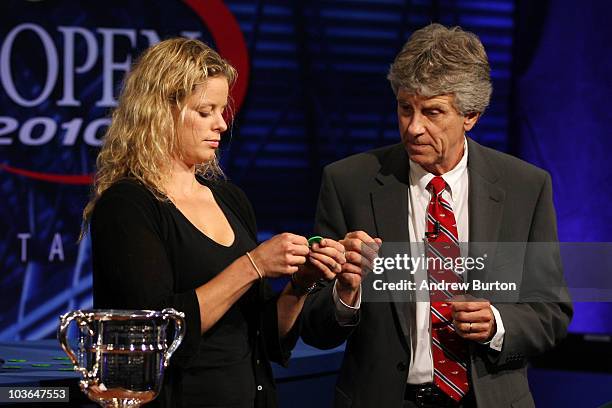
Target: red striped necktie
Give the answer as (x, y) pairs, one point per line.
(448, 349)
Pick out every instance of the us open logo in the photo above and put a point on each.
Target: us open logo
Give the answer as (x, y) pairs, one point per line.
(52, 115)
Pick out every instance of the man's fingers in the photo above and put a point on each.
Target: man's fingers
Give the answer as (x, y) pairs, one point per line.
(370, 250)
(358, 260)
(350, 268)
(360, 235)
(364, 238)
(472, 306)
(483, 315)
(471, 330)
(471, 327)
(479, 327)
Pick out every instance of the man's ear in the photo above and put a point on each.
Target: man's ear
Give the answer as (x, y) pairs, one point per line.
(469, 120)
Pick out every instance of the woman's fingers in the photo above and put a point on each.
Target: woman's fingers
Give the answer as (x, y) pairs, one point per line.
(334, 251)
(327, 266)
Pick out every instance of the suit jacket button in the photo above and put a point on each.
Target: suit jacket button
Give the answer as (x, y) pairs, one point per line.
(401, 366)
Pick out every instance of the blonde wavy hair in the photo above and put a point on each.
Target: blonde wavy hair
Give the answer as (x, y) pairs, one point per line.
(141, 138)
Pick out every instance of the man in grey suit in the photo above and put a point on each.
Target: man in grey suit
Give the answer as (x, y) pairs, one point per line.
(441, 80)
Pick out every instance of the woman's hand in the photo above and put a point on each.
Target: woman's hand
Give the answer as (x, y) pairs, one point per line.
(281, 255)
(325, 260)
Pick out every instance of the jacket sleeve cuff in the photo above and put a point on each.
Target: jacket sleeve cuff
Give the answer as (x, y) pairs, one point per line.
(189, 347)
(278, 349)
(346, 315)
(497, 342)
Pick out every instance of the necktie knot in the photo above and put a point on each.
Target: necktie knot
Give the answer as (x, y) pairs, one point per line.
(437, 184)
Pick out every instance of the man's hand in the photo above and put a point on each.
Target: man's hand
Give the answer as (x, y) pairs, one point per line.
(361, 249)
(473, 318)
(325, 261)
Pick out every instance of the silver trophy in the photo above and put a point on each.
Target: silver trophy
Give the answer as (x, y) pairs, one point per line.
(122, 354)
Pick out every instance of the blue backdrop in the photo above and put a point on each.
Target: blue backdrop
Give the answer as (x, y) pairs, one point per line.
(317, 92)
(563, 115)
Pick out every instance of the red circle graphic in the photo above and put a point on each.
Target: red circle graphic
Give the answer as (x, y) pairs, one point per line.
(231, 45)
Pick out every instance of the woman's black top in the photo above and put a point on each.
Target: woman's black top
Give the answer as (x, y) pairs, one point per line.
(148, 255)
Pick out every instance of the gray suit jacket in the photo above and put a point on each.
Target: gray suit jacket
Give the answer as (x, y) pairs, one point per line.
(509, 201)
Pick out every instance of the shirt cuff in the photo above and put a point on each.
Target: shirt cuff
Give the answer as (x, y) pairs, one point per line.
(497, 341)
(345, 314)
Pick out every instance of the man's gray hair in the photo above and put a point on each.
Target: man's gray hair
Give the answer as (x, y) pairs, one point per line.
(437, 60)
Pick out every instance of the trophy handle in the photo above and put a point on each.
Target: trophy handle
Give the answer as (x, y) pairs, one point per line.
(179, 330)
(65, 321)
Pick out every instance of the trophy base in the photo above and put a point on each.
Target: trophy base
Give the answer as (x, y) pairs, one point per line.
(118, 397)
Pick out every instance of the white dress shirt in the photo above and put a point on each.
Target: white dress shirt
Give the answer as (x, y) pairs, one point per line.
(456, 194)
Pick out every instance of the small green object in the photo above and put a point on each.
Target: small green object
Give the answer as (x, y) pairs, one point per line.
(314, 240)
(41, 365)
(9, 367)
(61, 358)
(16, 360)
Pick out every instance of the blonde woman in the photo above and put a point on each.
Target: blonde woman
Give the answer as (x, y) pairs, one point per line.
(168, 230)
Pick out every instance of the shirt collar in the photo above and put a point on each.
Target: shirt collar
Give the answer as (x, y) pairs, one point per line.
(422, 177)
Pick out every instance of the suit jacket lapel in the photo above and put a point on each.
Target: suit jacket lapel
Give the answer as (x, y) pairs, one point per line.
(485, 203)
(390, 211)
(390, 198)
